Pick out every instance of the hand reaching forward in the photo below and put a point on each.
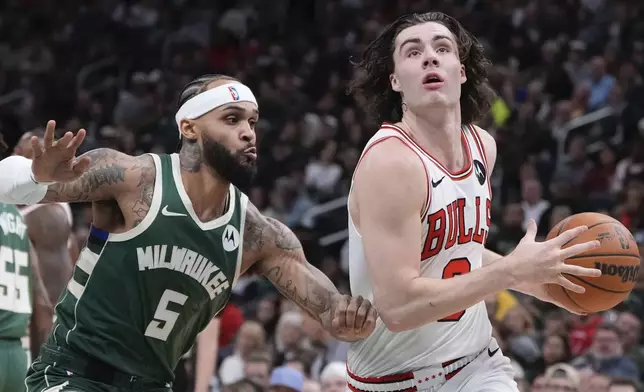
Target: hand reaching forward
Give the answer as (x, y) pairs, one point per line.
(543, 262)
(56, 161)
(354, 318)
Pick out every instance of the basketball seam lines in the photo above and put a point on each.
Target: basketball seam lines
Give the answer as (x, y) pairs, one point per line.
(598, 287)
(589, 227)
(575, 302)
(584, 256)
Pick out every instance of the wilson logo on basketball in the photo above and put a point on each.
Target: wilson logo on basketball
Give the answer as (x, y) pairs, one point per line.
(627, 273)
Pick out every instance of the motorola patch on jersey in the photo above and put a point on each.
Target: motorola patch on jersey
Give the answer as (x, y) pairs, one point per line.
(230, 238)
(479, 171)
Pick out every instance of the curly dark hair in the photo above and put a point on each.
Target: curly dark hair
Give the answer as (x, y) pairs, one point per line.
(377, 63)
(199, 85)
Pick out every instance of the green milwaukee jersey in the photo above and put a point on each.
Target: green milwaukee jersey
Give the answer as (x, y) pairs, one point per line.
(15, 271)
(137, 300)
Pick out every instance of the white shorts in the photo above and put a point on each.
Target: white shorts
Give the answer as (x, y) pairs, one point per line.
(484, 373)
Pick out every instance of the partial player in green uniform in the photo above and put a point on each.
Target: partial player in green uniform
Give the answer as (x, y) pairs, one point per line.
(22, 298)
(171, 235)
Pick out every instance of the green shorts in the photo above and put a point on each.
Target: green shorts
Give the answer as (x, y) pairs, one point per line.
(59, 370)
(13, 366)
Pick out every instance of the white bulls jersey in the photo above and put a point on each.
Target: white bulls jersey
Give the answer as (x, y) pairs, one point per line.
(456, 220)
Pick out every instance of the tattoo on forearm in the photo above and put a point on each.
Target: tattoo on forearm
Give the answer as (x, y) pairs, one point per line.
(300, 287)
(190, 156)
(286, 266)
(106, 168)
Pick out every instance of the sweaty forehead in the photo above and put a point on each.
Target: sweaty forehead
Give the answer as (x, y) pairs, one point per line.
(424, 31)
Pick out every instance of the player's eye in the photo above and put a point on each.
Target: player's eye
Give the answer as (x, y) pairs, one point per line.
(232, 120)
(443, 49)
(413, 53)
(252, 123)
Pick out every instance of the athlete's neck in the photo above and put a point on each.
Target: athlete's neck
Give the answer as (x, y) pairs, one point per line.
(205, 187)
(438, 132)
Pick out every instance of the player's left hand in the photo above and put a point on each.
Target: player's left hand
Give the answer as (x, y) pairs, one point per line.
(539, 292)
(354, 318)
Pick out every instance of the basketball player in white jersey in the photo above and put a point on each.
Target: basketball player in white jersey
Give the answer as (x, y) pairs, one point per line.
(50, 230)
(419, 215)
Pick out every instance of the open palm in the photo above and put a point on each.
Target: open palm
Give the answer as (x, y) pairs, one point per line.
(56, 161)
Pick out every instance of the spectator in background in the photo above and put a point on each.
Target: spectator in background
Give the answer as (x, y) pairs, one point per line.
(606, 356)
(601, 83)
(508, 234)
(517, 329)
(562, 377)
(251, 337)
(323, 174)
(595, 383)
(629, 327)
(257, 368)
(574, 167)
(288, 335)
(533, 204)
(624, 385)
(334, 377)
(284, 379)
(311, 386)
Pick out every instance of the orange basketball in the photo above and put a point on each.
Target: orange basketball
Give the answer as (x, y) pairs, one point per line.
(617, 257)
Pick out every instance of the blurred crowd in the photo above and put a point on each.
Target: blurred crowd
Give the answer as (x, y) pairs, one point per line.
(568, 120)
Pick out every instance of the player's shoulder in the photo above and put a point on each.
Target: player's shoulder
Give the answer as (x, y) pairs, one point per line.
(486, 137)
(488, 141)
(389, 154)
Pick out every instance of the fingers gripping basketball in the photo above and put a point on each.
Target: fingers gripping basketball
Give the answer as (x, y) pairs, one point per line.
(617, 257)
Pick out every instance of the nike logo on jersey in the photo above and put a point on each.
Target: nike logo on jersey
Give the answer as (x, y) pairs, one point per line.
(437, 183)
(492, 352)
(165, 212)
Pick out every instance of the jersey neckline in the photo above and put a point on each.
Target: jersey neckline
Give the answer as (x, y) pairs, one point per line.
(465, 146)
(187, 203)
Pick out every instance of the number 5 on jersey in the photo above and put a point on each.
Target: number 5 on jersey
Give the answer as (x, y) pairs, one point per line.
(455, 267)
(164, 318)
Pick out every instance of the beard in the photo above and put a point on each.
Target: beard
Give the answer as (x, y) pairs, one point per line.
(233, 167)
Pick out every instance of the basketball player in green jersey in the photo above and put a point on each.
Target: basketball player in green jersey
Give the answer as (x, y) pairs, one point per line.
(22, 297)
(170, 236)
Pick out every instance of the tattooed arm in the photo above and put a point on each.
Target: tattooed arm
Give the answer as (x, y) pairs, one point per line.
(49, 230)
(110, 173)
(42, 309)
(275, 252)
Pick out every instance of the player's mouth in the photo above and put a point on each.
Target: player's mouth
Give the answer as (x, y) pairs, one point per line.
(251, 154)
(432, 81)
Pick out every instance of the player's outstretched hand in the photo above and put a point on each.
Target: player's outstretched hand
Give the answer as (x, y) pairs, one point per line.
(56, 161)
(542, 262)
(354, 319)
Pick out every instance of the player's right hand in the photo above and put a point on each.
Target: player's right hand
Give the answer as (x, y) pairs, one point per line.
(543, 262)
(56, 161)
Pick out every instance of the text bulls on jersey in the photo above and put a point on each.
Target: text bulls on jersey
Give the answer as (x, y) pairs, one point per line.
(447, 226)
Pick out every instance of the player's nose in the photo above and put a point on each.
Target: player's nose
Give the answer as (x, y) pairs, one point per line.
(430, 60)
(247, 134)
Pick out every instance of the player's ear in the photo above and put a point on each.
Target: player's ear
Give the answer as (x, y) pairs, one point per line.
(395, 85)
(188, 131)
(463, 75)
